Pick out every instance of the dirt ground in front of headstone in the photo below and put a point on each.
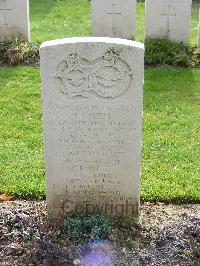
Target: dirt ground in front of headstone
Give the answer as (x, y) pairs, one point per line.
(167, 235)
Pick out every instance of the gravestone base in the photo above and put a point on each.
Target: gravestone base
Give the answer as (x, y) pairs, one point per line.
(11, 34)
(60, 207)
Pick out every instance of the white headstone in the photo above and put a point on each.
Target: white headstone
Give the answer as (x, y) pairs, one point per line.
(168, 19)
(14, 20)
(114, 18)
(198, 44)
(92, 90)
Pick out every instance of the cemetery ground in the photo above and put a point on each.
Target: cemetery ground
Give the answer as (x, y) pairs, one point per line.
(170, 174)
(170, 221)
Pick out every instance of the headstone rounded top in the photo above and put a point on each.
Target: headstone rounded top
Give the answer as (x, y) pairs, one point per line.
(92, 40)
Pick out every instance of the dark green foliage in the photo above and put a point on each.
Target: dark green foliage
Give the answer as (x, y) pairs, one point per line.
(164, 52)
(87, 228)
(157, 52)
(195, 58)
(17, 53)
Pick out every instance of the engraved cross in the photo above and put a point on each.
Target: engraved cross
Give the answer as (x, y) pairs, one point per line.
(4, 9)
(170, 13)
(113, 13)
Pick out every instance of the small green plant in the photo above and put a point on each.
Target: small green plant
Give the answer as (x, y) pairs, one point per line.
(164, 52)
(18, 52)
(87, 228)
(195, 58)
(134, 263)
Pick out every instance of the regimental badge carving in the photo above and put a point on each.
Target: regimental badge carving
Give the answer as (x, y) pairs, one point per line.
(108, 76)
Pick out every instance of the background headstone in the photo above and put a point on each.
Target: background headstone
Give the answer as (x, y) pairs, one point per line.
(168, 19)
(92, 90)
(14, 20)
(114, 18)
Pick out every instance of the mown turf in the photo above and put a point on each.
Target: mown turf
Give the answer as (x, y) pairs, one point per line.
(53, 19)
(21, 154)
(171, 143)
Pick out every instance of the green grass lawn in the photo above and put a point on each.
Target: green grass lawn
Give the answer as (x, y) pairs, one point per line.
(171, 143)
(52, 19)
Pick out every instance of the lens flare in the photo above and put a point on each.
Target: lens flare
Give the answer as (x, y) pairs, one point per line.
(97, 254)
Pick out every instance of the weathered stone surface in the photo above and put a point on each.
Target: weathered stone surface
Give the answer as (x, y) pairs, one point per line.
(92, 90)
(114, 18)
(14, 20)
(168, 19)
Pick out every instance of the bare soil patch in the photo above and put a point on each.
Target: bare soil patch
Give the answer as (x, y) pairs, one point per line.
(167, 235)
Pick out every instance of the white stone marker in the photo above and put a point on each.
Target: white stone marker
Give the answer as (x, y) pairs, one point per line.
(92, 91)
(14, 20)
(114, 18)
(168, 19)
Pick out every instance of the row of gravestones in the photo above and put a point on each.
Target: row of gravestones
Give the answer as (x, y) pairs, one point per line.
(112, 18)
(164, 19)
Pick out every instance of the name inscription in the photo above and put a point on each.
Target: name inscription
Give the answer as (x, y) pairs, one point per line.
(94, 142)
